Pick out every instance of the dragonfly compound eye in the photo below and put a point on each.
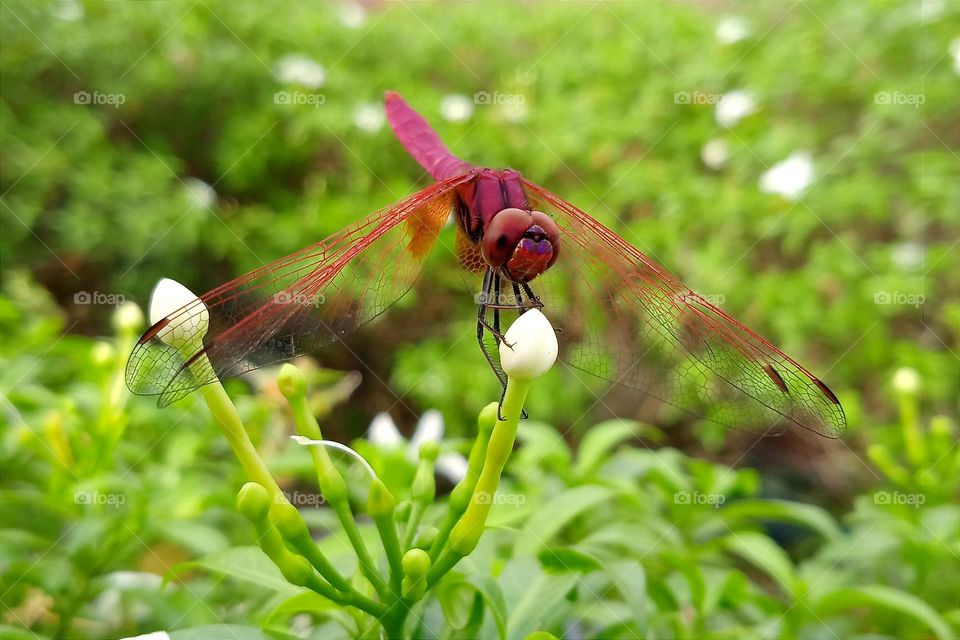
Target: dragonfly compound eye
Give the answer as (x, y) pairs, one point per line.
(523, 243)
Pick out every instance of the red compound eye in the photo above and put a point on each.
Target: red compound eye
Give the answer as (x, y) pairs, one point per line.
(523, 243)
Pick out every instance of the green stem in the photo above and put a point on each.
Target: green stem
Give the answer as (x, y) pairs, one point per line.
(416, 514)
(461, 494)
(466, 533)
(391, 546)
(226, 415)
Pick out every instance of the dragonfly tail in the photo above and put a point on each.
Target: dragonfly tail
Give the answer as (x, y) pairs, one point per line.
(421, 141)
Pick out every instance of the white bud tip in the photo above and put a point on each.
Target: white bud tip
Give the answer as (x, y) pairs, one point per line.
(189, 327)
(906, 380)
(533, 346)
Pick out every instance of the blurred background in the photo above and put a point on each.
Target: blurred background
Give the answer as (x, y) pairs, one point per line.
(795, 162)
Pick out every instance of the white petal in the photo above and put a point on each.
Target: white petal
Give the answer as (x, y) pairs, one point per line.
(156, 635)
(383, 431)
(190, 325)
(789, 178)
(732, 29)
(734, 106)
(368, 117)
(456, 108)
(452, 466)
(299, 69)
(715, 154)
(352, 15)
(533, 346)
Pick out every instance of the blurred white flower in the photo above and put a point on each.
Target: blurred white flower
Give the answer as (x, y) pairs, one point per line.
(734, 106)
(955, 52)
(384, 433)
(155, 635)
(188, 329)
(456, 107)
(200, 194)
(299, 69)
(352, 15)
(69, 10)
(906, 380)
(715, 154)
(907, 255)
(533, 346)
(732, 29)
(514, 111)
(789, 178)
(368, 117)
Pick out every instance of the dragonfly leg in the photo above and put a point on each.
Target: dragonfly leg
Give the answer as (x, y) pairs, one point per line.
(483, 325)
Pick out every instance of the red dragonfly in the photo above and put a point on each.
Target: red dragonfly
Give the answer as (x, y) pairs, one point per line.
(621, 316)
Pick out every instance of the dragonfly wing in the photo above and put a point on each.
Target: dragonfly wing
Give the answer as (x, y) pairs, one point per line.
(630, 321)
(295, 305)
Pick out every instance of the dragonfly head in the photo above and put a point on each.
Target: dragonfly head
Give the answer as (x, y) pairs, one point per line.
(523, 244)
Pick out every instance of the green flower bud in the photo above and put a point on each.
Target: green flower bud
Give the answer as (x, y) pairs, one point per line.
(540, 635)
(427, 537)
(403, 510)
(253, 501)
(424, 485)
(291, 382)
(288, 521)
(487, 419)
(294, 568)
(380, 502)
(429, 451)
(416, 563)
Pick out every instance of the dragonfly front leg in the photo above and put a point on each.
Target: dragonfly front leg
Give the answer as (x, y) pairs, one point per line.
(483, 326)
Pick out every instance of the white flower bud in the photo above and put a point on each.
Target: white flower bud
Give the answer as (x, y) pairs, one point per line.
(533, 346)
(906, 380)
(189, 327)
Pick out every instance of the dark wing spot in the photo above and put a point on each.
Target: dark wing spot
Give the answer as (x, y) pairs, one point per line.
(152, 331)
(775, 376)
(193, 358)
(826, 391)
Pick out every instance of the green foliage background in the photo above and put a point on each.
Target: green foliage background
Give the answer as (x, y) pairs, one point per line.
(107, 199)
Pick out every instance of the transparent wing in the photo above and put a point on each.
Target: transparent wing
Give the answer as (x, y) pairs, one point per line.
(630, 321)
(295, 305)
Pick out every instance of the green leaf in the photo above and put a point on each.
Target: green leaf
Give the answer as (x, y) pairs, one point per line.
(209, 632)
(600, 439)
(539, 601)
(551, 517)
(309, 602)
(456, 599)
(630, 580)
(568, 559)
(764, 554)
(492, 595)
(883, 597)
(806, 515)
(248, 564)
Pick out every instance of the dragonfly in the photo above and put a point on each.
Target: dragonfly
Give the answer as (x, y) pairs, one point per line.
(619, 315)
